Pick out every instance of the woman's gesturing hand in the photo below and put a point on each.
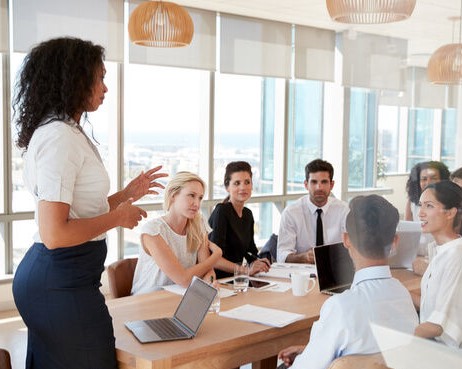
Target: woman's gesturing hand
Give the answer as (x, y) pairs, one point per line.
(144, 183)
(130, 215)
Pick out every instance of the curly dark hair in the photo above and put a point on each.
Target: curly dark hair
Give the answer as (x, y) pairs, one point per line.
(56, 79)
(413, 183)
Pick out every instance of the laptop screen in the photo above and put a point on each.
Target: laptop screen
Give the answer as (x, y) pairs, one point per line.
(333, 265)
(195, 304)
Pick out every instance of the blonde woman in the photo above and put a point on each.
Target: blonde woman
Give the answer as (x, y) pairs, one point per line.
(175, 247)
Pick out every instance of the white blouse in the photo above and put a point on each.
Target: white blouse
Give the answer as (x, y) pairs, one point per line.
(148, 276)
(441, 289)
(62, 166)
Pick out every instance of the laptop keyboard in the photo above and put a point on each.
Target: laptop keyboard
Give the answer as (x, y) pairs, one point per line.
(165, 328)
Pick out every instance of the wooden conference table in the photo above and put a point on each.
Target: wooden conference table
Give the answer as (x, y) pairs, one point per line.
(221, 342)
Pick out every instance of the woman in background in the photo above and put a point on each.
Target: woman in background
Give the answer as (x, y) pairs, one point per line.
(441, 293)
(422, 174)
(56, 285)
(233, 224)
(175, 247)
(456, 177)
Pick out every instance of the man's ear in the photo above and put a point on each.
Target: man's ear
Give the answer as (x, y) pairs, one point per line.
(306, 184)
(332, 184)
(394, 244)
(346, 240)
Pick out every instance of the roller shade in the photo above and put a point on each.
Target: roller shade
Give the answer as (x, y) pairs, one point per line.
(100, 21)
(255, 46)
(373, 62)
(3, 26)
(314, 53)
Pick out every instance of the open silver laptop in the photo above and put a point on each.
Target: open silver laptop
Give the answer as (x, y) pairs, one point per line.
(408, 245)
(185, 322)
(334, 268)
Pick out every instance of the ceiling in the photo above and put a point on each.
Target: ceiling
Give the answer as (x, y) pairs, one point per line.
(427, 29)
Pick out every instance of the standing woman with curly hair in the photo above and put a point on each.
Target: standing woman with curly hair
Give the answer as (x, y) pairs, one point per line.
(56, 285)
(422, 174)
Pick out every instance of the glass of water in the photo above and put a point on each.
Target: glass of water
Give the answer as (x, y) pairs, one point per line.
(241, 277)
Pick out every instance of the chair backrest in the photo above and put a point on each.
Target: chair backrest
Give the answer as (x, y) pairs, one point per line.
(270, 247)
(5, 359)
(120, 277)
(370, 361)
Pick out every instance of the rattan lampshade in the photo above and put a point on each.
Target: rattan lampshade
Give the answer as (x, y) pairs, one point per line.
(370, 11)
(445, 65)
(160, 24)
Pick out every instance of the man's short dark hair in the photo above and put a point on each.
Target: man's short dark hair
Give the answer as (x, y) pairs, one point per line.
(371, 225)
(319, 165)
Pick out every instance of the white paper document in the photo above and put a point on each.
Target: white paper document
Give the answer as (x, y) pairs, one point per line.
(262, 315)
(283, 270)
(176, 289)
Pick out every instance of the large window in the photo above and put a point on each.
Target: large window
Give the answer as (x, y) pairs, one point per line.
(362, 139)
(305, 129)
(420, 136)
(388, 139)
(448, 137)
(247, 110)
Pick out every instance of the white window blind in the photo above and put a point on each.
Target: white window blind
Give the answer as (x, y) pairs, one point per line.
(314, 53)
(255, 46)
(200, 54)
(374, 62)
(3, 26)
(100, 21)
(423, 93)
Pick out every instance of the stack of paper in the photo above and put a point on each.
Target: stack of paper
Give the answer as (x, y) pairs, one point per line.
(283, 270)
(262, 315)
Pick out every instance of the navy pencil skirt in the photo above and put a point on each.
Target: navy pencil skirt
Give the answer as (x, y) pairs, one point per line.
(57, 294)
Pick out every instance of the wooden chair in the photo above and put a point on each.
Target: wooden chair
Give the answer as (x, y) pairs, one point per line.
(120, 277)
(5, 359)
(370, 361)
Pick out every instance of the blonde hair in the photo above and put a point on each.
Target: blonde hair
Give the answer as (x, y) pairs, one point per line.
(195, 232)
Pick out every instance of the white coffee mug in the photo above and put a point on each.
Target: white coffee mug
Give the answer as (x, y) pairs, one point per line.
(301, 283)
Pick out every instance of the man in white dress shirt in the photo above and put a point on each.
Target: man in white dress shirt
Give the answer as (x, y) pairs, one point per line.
(297, 230)
(344, 326)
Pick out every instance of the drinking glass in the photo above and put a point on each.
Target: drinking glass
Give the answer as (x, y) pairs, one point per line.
(241, 277)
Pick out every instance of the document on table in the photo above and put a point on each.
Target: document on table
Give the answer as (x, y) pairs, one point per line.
(262, 315)
(283, 270)
(174, 288)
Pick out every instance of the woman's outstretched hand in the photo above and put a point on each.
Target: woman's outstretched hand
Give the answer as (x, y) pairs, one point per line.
(144, 184)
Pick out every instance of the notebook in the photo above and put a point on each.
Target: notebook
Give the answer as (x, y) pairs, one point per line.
(408, 245)
(334, 268)
(185, 322)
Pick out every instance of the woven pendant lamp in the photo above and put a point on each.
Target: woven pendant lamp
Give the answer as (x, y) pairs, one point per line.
(160, 24)
(445, 64)
(370, 11)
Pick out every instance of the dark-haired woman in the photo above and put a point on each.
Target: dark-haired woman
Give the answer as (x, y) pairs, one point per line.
(441, 300)
(233, 224)
(56, 285)
(422, 174)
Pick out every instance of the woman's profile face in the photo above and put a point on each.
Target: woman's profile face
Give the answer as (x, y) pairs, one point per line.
(240, 187)
(429, 175)
(433, 216)
(98, 90)
(187, 202)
